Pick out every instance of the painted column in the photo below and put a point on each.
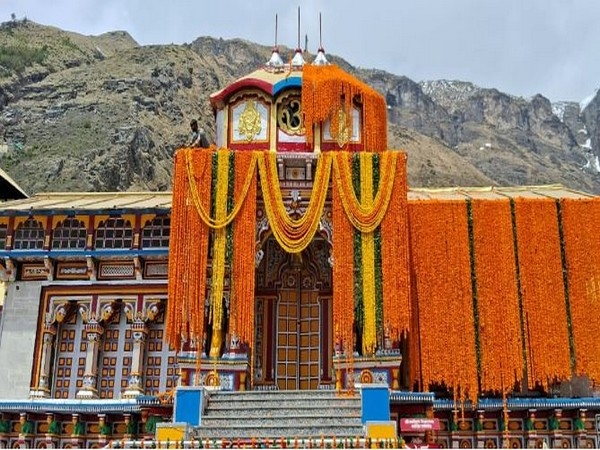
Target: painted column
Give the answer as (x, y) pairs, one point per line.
(139, 331)
(94, 332)
(43, 388)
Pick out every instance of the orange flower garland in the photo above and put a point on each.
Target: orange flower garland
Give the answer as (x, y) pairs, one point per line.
(441, 261)
(328, 89)
(243, 279)
(497, 295)
(343, 274)
(188, 253)
(395, 258)
(580, 218)
(543, 295)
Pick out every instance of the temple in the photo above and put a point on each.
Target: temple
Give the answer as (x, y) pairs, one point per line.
(292, 257)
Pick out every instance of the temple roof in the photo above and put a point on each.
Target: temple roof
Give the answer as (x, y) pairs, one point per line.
(9, 189)
(270, 82)
(88, 202)
(65, 202)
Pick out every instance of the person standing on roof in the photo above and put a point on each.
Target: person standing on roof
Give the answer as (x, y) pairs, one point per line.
(198, 138)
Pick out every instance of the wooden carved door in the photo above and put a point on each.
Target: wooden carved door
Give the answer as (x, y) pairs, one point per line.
(298, 333)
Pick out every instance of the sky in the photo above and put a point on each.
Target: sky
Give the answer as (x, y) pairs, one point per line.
(521, 47)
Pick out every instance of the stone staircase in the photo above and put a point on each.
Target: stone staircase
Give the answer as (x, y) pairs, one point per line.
(281, 414)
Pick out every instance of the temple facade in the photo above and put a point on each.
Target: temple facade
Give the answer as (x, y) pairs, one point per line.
(292, 255)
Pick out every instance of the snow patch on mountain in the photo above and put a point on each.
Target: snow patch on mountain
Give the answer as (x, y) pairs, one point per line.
(452, 91)
(586, 101)
(558, 109)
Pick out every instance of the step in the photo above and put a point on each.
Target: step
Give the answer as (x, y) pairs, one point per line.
(232, 403)
(248, 432)
(281, 421)
(281, 411)
(267, 395)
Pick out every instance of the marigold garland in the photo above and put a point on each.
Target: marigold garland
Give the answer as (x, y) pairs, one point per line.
(369, 342)
(540, 269)
(239, 197)
(580, 218)
(243, 278)
(188, 252)
(220, 240)
(441, 261)
(497, 295)
(395, 264)
(327, 89)
(293, 235)
(343, 275)
(365, 215)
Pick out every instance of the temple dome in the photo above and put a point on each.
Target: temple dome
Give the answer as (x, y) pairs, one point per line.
(300, 108)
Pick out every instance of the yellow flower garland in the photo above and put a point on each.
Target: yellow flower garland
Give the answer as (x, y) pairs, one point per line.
(368, 257)
(365, 216)
(220, 243)
(239, 198)
(294, 235)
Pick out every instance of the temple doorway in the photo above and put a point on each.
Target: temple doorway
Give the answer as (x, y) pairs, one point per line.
(293, 319)
(298, 357)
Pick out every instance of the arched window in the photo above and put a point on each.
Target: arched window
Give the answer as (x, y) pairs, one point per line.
(114, 232)
(68, 234)
(156, 232)
(29, 235)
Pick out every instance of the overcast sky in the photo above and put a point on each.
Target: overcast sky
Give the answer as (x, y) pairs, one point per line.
(522, 47)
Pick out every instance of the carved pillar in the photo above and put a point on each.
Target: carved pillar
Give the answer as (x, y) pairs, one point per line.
(554, 425)
(530, 428)
(139, 331)
(580, 429)
(43, 389)
(94, 332)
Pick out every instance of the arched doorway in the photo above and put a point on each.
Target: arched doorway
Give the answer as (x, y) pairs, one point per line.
(293, 318)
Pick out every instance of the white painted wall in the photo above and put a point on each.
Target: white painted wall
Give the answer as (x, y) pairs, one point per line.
(17, 338)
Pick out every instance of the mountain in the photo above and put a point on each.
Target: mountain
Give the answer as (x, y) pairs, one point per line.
(102, 113)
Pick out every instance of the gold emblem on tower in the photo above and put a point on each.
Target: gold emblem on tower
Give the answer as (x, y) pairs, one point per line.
(289, 116)
(249, 123)
(339, 130)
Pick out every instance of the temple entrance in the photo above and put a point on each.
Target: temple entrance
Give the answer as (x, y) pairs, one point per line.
(293, 318)
(298, 361)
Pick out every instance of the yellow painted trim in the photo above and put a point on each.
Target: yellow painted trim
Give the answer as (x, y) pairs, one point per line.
(22, 219)
(146, 218)
(62, 218)
(274, 128)
(98, 219)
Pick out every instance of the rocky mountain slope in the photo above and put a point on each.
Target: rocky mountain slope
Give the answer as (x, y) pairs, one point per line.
(101, 113)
